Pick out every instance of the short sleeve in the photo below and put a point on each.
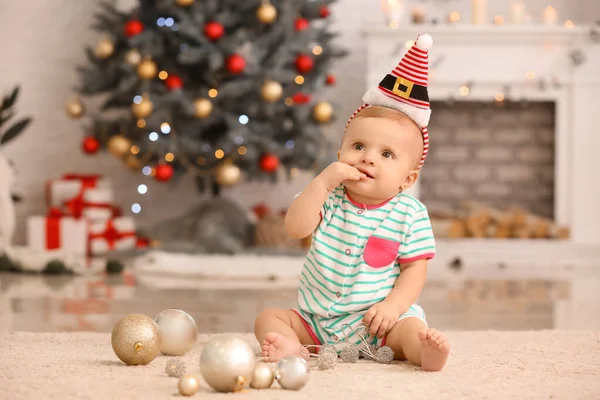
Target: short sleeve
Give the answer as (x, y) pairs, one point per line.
(328, 205)
(419, 242)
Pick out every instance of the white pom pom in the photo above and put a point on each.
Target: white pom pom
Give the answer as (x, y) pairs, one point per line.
(424, 42)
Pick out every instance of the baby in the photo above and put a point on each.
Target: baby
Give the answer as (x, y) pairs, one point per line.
(367, 263)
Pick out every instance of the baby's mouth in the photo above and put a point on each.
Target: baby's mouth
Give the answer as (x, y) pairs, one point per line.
(364, 171)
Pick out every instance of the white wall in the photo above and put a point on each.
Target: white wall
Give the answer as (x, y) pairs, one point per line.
(41, 42)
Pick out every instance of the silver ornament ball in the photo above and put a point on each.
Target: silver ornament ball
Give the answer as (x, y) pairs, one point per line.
(178, 330)
(327, 358)
(350, 354)
(227, 363)
(292, 372)
(175, 367)
(263, 376)
(384, 355)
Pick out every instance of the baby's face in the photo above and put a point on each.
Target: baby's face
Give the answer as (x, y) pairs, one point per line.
(386, 150)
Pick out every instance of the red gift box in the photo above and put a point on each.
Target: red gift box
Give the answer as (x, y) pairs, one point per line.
(57, 231)
(113, 234)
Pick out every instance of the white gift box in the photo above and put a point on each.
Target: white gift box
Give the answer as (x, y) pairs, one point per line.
(57, 232)
(97, 204)
(60, 191)
(112, 234)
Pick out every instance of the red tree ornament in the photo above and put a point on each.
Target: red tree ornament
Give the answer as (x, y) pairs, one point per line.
(163, 172)
(173, 82)
(301, 24)
(90, 145)
(236, 64)
(213, 30)
(324, 12)
(330, 79)
(269, 163)
(261, 210)
(304, 64)
(301, 98)
(133, 27)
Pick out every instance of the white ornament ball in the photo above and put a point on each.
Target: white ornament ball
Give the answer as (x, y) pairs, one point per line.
(188, 385)
(292, 372)
(227, 363)
(263, 376)
(178, 331)
(424, 42)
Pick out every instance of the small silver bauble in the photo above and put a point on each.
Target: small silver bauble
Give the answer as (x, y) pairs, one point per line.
(178, 331)
(175, 367)
(263, 376)
(188, 385)
(227, 363)
(292, 372)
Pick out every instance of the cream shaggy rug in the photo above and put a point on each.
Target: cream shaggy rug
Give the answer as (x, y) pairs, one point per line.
(482, 365)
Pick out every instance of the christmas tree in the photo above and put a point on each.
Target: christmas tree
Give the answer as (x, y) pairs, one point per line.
(221, 88)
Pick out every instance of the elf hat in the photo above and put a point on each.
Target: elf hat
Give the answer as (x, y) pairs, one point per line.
(405, 89)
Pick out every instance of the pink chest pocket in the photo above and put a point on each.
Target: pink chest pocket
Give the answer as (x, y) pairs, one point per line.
(380, 252)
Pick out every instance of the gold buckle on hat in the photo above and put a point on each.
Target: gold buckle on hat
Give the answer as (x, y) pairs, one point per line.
(404, 82)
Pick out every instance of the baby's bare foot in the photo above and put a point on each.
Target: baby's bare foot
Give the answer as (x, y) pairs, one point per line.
(276, 346)
(434, 349)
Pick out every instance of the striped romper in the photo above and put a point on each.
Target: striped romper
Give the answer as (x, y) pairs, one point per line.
(354, 261)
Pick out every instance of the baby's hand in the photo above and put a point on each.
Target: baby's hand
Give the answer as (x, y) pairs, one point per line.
(381, 318)
(338, 172)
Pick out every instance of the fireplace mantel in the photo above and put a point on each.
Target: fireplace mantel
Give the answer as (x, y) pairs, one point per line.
(517, 61)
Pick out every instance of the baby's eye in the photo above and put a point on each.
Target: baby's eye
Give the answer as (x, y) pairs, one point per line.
(358, 146)
(387, 154)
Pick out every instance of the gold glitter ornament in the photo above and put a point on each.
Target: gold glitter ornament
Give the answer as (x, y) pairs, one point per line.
(147, 69)
(75, 108)
(271, 91)
(322, 112)
(227, 174)
(178, 330)
(104, 49)
(263, 376)
(202, 108)
(227, 363)
(142, 109)
(118, 145)
(266, 13)
(175, 367)
(136, 339)
(133, 57)
(188, 385)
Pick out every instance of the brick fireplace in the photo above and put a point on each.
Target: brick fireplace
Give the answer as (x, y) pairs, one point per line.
(540, 150)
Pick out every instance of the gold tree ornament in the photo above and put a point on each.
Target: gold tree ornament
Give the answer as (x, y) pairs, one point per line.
(119, 145)
(266, 13)
(75, 108)
(227, 174)
(322, 112)
(184, 3)
(133, 57)
(104, 49)
(202, 108)
(271, 91)
(147, 69)
(142, 109)
(136, 339)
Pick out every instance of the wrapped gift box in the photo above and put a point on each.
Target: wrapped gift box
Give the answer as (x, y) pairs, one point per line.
(113, 234)
(56, 231)
(96, 205)
(73, 193)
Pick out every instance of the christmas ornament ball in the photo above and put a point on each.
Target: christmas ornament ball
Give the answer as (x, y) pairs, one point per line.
(175, 367)
(301, 24)
(178, 330)
(263, 376)
(173, 82)
(90, 145)
(118, 145)
(75, 108)
(142, 109)
(133, 27)
(136, 339)
(133, 57)
(185, 3)
(202, 108)
(213, 30)
(188, 385)
(147, 69)
(228, 174)
(269, 163)
(292, 372)
(304, 63)
(271, 91)
(323, 112)
(236, 64)
(227, 363)
(104, 49)
(266, 13)
(163, 172)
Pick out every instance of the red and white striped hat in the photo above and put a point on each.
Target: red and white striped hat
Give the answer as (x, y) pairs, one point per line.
(405, 89)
